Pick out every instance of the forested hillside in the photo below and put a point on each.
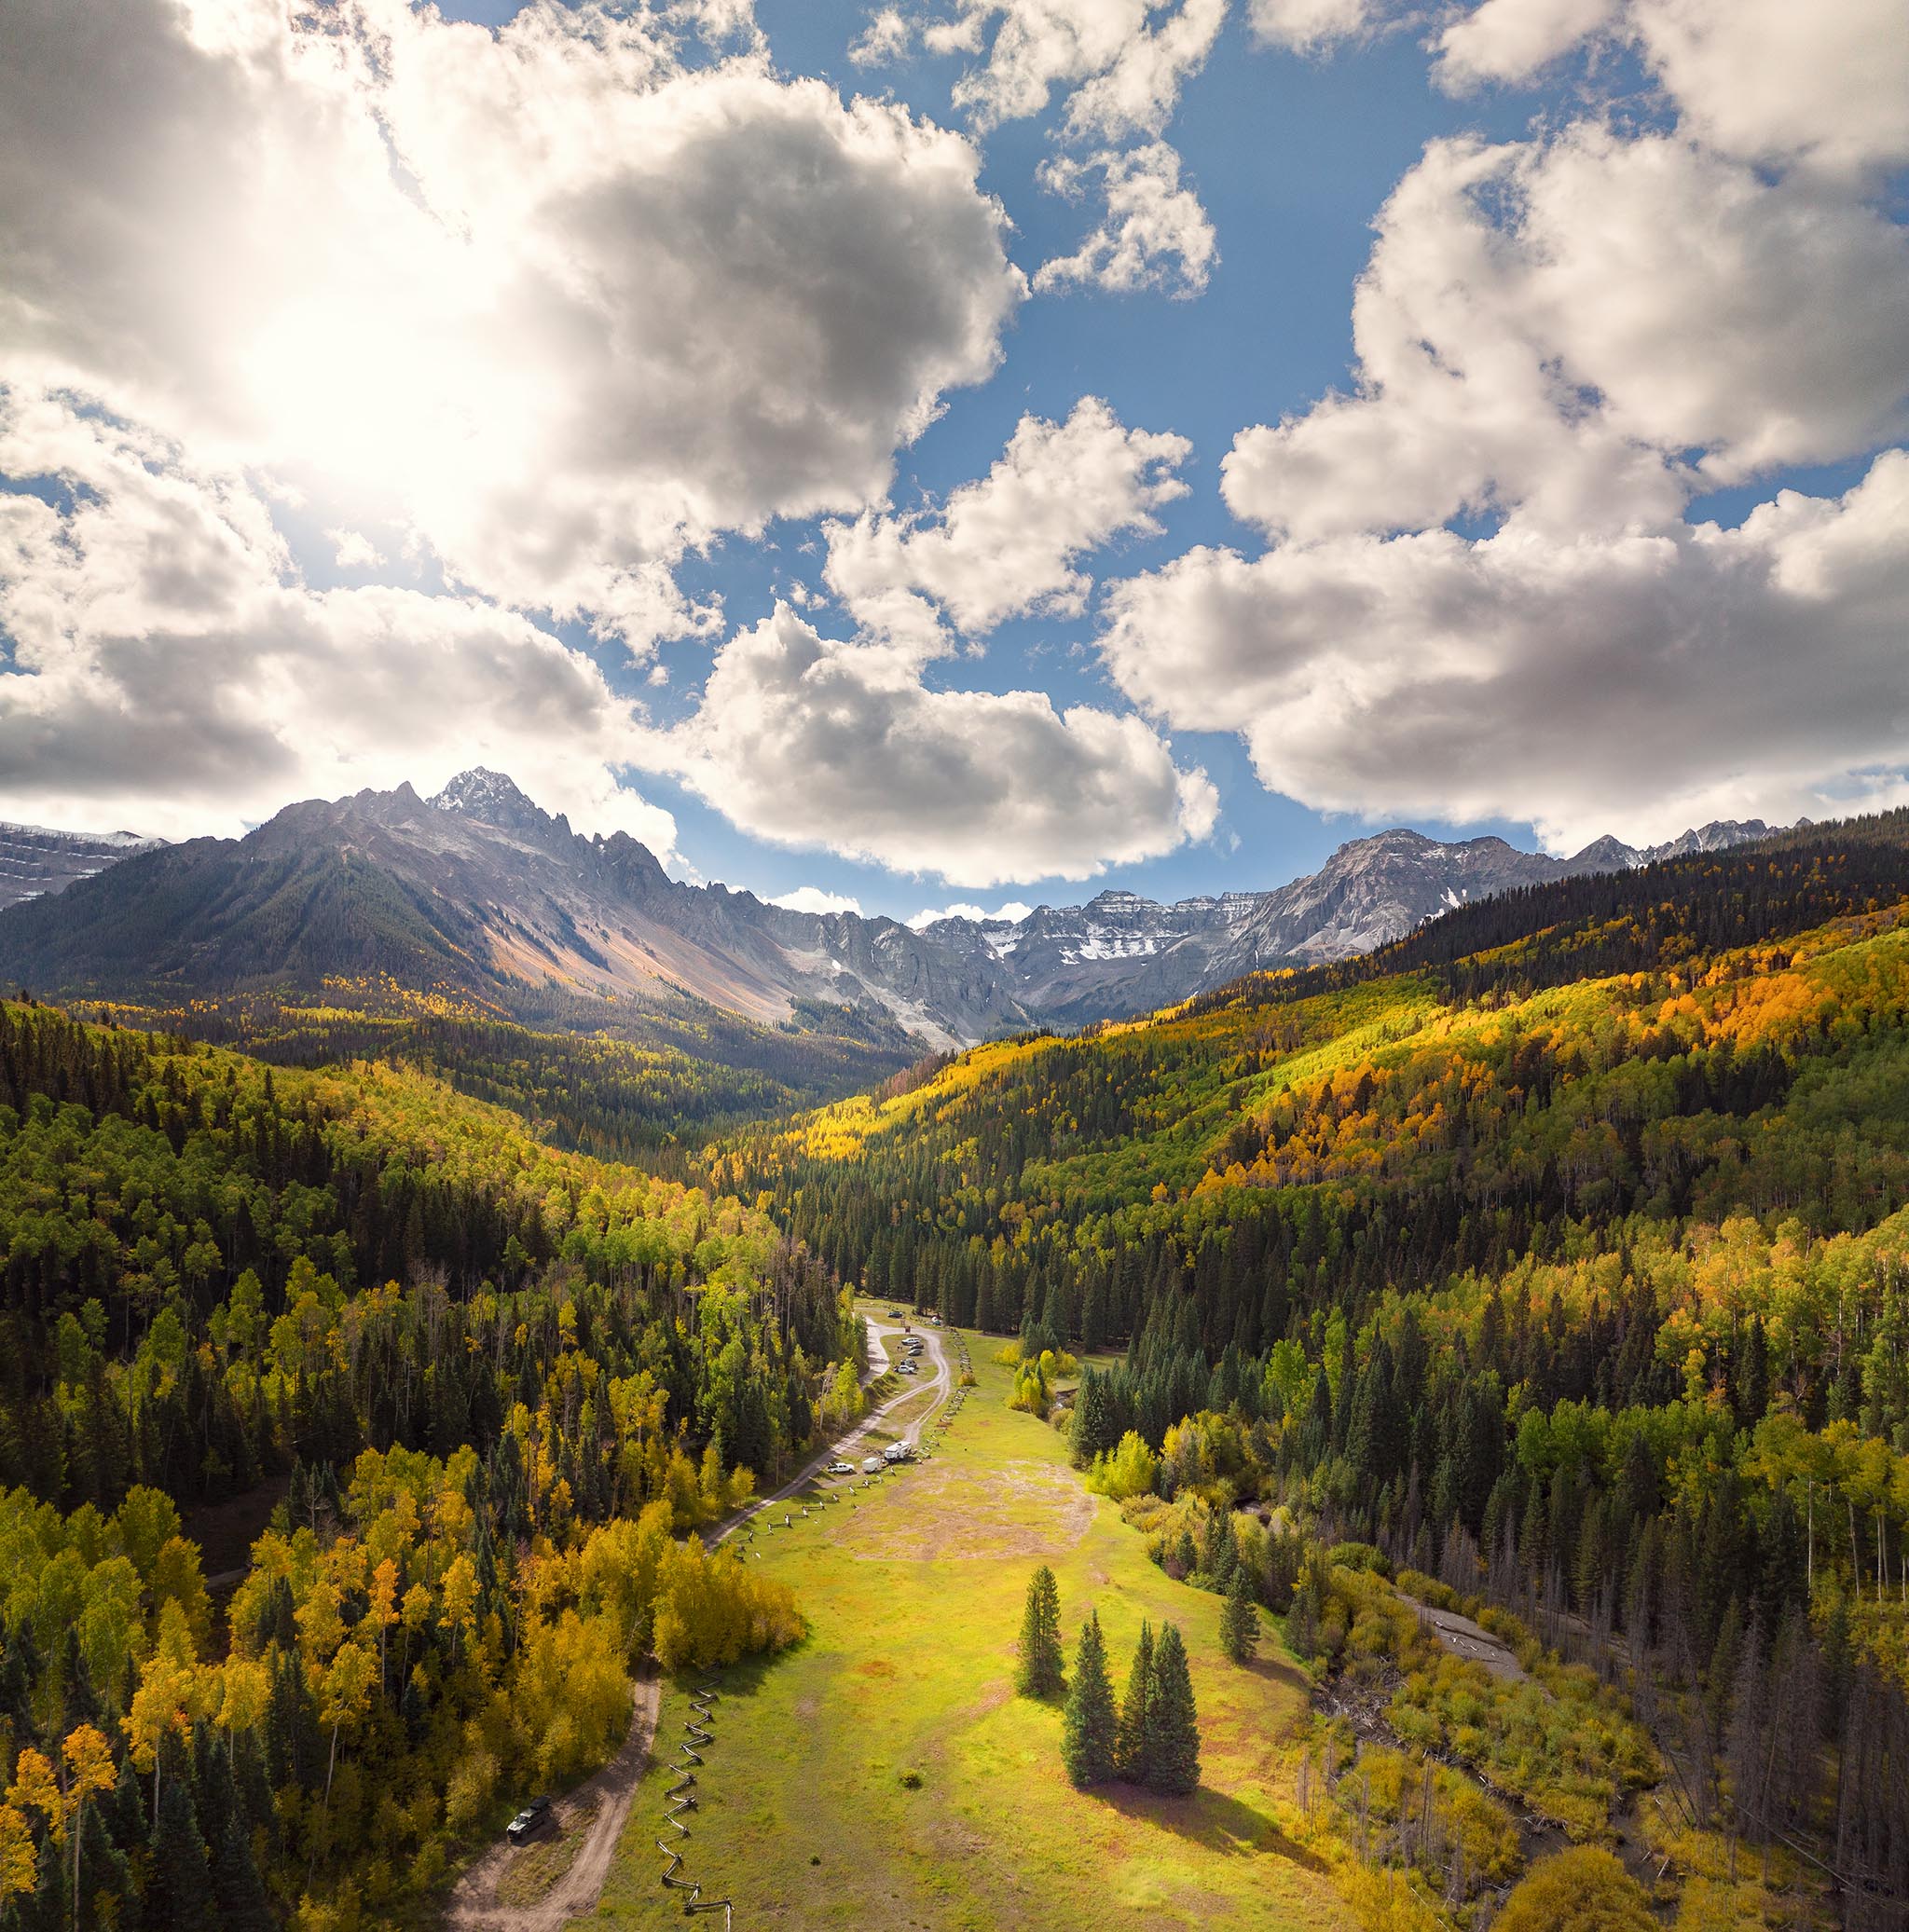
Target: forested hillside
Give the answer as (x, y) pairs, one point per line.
(488, 1385)
(660, 1077)
(1559, 1252)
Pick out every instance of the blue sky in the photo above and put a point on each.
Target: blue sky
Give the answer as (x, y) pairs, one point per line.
(1293, 157)
(524, 432)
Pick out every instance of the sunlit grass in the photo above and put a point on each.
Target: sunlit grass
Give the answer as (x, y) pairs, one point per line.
(913, 1590)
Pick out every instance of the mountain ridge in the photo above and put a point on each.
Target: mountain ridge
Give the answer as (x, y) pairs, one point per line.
(478, 890)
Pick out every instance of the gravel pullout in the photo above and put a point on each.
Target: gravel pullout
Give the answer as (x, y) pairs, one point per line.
(474, 1906)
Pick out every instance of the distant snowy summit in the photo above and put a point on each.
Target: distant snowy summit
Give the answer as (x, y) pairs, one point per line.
(1120, 952)
(36, 860)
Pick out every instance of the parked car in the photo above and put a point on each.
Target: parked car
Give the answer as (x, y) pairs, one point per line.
(906, 1368)
(528, 1822)
(839, 1468)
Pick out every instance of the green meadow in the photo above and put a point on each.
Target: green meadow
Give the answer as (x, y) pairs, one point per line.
(884, 1772)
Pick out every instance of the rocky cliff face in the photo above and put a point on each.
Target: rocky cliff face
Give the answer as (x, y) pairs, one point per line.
(480, 891)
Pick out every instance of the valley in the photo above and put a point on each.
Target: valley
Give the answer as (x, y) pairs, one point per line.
(953, 965)
(1477, 1364)
(913, 1592)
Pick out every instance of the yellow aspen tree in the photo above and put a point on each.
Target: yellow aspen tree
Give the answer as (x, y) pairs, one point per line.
(19, 1868)
(37, 1787)
(321, 1628)
(461, 1598)
(346, 1693)
(88, 1768)
(384, 1607)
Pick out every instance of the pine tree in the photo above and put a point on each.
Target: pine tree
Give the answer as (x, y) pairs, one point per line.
(1239, 1622)
(1222, 1553)
(1130, 1741)
(106, 1894)
(1173, 1726)
(1041, 1664)
(1088, 1738)
(236, 1883)
(176, 1888)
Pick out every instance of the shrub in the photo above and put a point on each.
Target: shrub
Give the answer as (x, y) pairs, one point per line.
(1127, 1470)
(1360, 1556)
(1582, 1890)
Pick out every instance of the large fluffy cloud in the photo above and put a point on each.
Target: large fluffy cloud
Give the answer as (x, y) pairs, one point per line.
(1760, 79)
(1561, 342)
(170, 672)
(1011, 542)
(807, 741)
(557, 300)
(1581, 328)
(1631, 681)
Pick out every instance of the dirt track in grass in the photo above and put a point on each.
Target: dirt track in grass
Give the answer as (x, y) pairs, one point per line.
(596, 1809)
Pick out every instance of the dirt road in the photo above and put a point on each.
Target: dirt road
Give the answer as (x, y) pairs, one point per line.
(474, 1906)
(941, 1384)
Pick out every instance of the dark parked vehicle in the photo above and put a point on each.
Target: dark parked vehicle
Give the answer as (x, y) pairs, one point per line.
(528, 1822)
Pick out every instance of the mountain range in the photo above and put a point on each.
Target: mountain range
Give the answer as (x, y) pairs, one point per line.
(479, 893)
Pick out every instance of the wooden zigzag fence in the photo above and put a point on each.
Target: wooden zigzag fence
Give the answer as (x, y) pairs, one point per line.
(680, 1798)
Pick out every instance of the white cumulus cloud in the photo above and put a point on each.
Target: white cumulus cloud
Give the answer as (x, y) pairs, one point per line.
(812, 898)
(1311, 26)
(1770, 80)
(1121, 62)
(560, 300)
(809, 741)
(1154, 234)
(1562, 341)
(171, 672)
(353, 550)
(1636, 682)
(1584, 330)
(887, 36)
(1012, 910)
(1009, 544)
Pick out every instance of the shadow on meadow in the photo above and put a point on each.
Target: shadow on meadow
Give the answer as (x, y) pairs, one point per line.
(1222, 1823)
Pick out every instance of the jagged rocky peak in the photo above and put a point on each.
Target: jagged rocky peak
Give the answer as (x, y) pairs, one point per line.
(1717, 836)
(493, 798)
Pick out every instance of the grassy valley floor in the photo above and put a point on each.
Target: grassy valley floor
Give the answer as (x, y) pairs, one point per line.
(914, 1591)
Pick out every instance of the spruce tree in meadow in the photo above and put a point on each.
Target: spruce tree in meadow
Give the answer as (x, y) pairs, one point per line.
(1173, 1726)
(1239, 1622)
(1130, 1740)
(1041, 1663)
(1091, 1728)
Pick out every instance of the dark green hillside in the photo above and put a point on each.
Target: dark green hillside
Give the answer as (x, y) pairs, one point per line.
(206, 916)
